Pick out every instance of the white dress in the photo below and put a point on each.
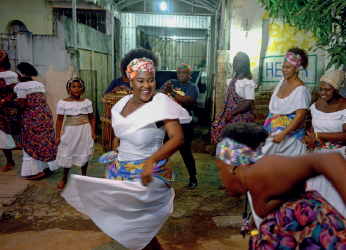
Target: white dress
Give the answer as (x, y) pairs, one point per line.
(300, 98)
(6, 140)
(245, 88)
(76, 144)
(329, 123)
(129, 212)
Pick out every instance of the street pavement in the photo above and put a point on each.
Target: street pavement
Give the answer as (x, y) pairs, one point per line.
(33, 215)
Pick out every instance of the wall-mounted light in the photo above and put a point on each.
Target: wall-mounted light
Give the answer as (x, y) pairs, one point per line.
(174, 38)
(163, 6)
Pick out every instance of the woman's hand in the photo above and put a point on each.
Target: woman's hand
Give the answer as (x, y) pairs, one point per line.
(57, 141)
(228, 117)
(147, 171)
(168, 88)
(93, 136)
(309, 140)
(278, 138)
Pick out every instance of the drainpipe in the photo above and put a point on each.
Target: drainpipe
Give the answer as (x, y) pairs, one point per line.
(112, 45)
(74, 21)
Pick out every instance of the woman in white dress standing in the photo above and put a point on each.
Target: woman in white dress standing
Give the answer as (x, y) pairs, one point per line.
(328, 131)
(136, 198)
(76, 145)
(288, 106)
(8, 80)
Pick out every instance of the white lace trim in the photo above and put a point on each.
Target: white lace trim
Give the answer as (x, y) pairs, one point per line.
(74, 108)
(9, 77)
(317, 114)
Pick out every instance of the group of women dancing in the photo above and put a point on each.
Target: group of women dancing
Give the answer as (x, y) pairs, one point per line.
(288, 213)
(302, 202)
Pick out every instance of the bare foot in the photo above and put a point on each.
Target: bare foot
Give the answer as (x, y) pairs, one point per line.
(40, 175)
(9, 167)
(61, 185)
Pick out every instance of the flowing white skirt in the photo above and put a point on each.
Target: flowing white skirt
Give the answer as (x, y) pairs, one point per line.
(31, 166)
(126, 211)
(289, 146)
(6, 141)
(76, 146)
(325, 188)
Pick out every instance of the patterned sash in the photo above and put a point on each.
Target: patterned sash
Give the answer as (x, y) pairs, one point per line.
(276, 123)
(132, 170)
(76, 120)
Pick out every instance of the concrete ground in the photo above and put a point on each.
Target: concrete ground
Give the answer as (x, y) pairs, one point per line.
(35, 216)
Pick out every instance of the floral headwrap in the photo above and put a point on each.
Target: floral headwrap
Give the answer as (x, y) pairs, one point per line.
(237, 154)
(136, 66)
(294, 59)
(334, 78)
(185, 66)
(68, 84)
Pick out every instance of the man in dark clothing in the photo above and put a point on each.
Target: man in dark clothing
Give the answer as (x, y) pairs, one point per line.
(185, 93)
(117, 82)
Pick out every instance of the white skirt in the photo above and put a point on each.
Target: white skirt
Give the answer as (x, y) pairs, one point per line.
(6, 141)
(126, 211)
(76, 146)
(325, 188)
(31, 166)
(289, 146)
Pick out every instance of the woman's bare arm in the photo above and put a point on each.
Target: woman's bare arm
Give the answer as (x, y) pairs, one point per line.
(274, 180)
(176, 138)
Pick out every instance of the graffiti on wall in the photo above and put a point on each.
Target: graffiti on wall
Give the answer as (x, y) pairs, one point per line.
(271, 69)
(282, 37)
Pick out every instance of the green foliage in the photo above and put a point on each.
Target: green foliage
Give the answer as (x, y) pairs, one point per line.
(325, 18)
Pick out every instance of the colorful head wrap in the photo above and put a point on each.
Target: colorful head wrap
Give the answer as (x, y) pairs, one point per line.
(294, 59)
(74, 80)
(185, 66)
(136, 66)
(335, 78)
(237, 154)
(3, 55)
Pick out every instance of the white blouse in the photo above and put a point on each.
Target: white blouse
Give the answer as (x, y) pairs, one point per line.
(300, 98)
(9, 77)
(74, 108)
(245, 88)
(327, 122)
(26, 88)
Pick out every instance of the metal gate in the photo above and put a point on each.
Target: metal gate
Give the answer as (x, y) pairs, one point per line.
(9, 44)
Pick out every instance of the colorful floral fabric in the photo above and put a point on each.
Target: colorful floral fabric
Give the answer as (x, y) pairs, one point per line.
(276, 123)
(232, 101)
(330, 144)
(309, 222)
(38, 135)
(136, 66)
(132, 170)
(237, 154)
(293, 59)
(5, 111)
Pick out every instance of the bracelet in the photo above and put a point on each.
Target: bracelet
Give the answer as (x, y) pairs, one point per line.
(316, 136)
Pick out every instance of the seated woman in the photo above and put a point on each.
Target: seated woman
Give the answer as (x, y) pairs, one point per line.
(239, 97)
(328, 131)
(287, 216)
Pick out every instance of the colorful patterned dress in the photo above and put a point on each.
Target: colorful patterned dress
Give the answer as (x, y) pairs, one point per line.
(328, 123)
(232, 101)
(308, 222)
(38, 137)
(6, 140)
(282, 112)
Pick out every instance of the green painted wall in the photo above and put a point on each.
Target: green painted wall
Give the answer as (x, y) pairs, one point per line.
(37, 15)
